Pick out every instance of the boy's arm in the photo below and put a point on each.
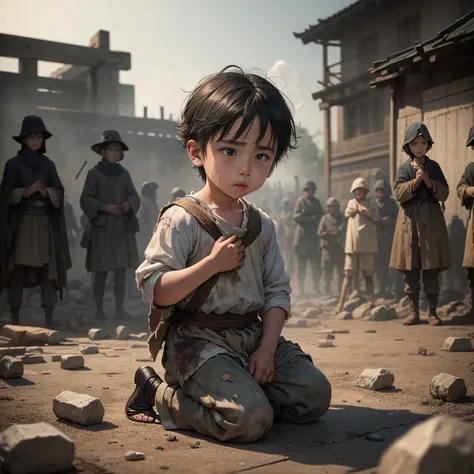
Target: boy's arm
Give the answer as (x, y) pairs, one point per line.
(89, 203)
(133, 199)
(351, 209)
(322, 228)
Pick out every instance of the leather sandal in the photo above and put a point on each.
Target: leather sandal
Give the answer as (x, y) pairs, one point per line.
(147, 381)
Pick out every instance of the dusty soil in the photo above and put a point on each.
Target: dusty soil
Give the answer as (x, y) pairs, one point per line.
(337, 444)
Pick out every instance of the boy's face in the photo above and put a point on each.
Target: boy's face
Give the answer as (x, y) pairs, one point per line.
(333, 209)
(419, 146)
(34, 141)
(239, 167)
(112, 152)
(380, 194)
(360, 194)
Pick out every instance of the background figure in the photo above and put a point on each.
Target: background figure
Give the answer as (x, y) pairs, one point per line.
(457, 237)
(177, 193)
(385, 228)
(286, 235)
(72, 227)
(307, 215)
(147, 214)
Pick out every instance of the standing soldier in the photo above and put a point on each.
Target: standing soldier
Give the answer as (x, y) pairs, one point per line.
(307, 215)
(465, 191)
(110, 202)
(33, 241)
(385, 228)
(331, 231)
(177, 193)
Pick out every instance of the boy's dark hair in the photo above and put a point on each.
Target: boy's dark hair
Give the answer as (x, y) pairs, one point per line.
(221, 99)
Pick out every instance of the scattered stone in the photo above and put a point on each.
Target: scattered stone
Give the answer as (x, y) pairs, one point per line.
(6, 398)
(96, 334)
(405, 301)
(34, 350)
(11, 367)
(374, 437)
(423, 351)
(35, 448)
(330, 337)
(160, 448)
(110, 354)
(120, 349)
(54, 338)
(78, 408)
(69, 343)
(33, 359)
(71, 362)
(134, 456)
(440, 445)
(142, 359)
(325, 343)
(344, 315)
(139, 346)
(122, 333)
(56, 358)
(457, 344)
(171, 438)
(311, 313)
(89, 350)
(448, 387)
(195, 445)
(142, 336)
(333, 331)
(362, 311)
(375, 379)
(370, 331)
(164, 467)
(12, 351)
(45, 373)
(399, 339)
(113, 441)
(381, 313)
(297, 323)
(353, 304)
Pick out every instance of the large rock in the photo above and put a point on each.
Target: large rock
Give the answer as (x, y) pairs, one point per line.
(38, 448)
(457, 344)
(89, 350)
(344, 315)
(381, 313)
(78, 408)
(440, 445)
(449, 296)
(448, 387)
(375, 379)
(354, 302)
(297, 323)
(33, 359)
(122, 333)
(362, 311)
(71, 362)
(11, 368)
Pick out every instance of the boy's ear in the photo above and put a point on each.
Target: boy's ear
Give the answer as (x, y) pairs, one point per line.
(195, 153)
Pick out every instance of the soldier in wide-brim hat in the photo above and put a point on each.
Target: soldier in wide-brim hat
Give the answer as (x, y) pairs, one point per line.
(110, 202)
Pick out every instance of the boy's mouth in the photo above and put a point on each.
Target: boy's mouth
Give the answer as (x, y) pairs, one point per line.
(242, 185)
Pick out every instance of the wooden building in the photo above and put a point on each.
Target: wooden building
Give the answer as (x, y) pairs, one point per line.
(364, 32)
(433, 83)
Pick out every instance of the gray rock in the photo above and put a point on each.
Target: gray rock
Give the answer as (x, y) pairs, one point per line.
(70, 362)
(35, 448)
(122, 333)
(34, 350)
(457, 344)
(311, 313)
(96, 334)
(33, 359)
(297, 323)
(11, 368)
(134, 456)
(381, 313)
(12, 351)
(362, 311)
(440, 445)
(54, 338)
(89, 350)
(448, 387)
(375, 379)
(344, 315)
(352, 304)
(56, 358)
(78, 408)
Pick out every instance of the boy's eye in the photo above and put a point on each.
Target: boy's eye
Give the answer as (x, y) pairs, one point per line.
(229, 151)
(262, 157)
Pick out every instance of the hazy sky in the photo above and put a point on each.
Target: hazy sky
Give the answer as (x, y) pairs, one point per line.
(176, 43)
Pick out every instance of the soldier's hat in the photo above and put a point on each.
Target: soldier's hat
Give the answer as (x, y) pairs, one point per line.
(109, 136)
(32, 124)
(178, 192)
(309, 185)
(332, 201)
(470, 138)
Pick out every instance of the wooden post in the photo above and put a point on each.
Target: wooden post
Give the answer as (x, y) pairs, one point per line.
(393, 126)
(29, 67)
(162, 113)
(145, 112)
(327, 127)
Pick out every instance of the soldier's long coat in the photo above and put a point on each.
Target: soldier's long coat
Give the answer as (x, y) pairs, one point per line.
(467, 180)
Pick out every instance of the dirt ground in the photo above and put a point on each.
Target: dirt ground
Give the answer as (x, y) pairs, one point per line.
(335, 445)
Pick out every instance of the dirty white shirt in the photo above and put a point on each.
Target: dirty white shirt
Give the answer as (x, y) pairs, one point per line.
(361, 235)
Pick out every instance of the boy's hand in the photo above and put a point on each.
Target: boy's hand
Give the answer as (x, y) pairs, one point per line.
(262, 365)
(470, 191)
(227, 254)
(35, 187)
(113, 209)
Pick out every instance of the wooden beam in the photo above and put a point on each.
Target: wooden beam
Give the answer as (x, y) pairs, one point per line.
(12, 80)
(12, 46)
(327, 128)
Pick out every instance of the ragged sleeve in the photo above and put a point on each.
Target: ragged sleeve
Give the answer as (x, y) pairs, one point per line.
(169, 249)
(403, 187)
(90, 205)
(276, 281)
(467, 180)
(351, 209)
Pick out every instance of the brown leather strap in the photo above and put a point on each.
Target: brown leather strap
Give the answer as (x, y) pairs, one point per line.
(215, 322)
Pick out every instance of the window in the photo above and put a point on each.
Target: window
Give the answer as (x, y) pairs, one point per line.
(409, 31)
(368, 51)
(364, 116)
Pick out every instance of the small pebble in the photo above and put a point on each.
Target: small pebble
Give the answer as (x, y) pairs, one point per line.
(134, 456)
(45, 373)
(398, 339)
(160, 448)
(171, 437)
(370, 331)
(195, 445)
(113, 441)
(164, 467)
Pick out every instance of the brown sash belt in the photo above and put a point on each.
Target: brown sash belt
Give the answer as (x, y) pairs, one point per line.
(214, 322)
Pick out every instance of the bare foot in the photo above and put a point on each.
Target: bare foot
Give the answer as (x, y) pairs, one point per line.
(142, 418)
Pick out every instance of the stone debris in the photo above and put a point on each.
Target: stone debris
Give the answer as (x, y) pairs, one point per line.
(375, 379)
(370, 331)
(33, 359)
(34, 350)
(424, 351)
(311, 313)
(374, 437)
(70, 362)
(344, 315)
(142, 336)
(56, 358)
(399, 339)
(143, 359)
(110, 354)
(134, 456)
(440, 445)
(96, 334)
(11, 367)
(120, 349)
(122, 333)
(89, 350)
(139, 346)
(457, 344)
(35, 448)
(171, 438)
(54, 338)
(78, 408)
(12, 351)
(448, 387)
(325, 343)
(381, 313)
(362, 311)
(333, 331)
(195, 445)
